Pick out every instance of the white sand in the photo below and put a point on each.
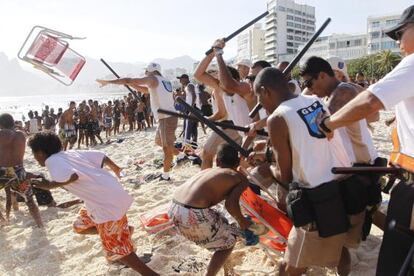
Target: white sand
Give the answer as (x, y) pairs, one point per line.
(27, 250)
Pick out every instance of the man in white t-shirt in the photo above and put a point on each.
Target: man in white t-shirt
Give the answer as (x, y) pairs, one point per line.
(106, 202)
(396, 89)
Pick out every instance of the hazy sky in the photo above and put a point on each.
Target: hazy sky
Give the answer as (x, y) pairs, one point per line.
(135, 30)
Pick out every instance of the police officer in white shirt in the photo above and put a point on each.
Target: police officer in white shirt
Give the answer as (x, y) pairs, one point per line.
(395, 90)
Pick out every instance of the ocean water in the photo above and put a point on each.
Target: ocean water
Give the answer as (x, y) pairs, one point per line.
(20, 106)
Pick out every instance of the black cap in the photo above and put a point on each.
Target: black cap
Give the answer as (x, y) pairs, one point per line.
(406, 17)
(183, 76)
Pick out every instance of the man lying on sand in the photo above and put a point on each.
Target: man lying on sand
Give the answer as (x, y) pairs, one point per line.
(106, 202)
(192, 213)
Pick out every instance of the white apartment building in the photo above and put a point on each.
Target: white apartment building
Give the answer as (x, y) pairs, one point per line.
(345, 46)
(377, 39)
(250, 43)
(287, 27)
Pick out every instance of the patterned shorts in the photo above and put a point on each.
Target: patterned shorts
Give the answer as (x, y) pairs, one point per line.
(115, 235)
(206, 227)
(15, 178)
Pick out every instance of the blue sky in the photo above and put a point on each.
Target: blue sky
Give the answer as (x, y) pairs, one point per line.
(127, 30)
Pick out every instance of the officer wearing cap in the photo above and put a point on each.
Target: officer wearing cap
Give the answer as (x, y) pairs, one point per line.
(395, 90)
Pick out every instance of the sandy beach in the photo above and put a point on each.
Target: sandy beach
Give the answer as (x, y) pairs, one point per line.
(57, 250)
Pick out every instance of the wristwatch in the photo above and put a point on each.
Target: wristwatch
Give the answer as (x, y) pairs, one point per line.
(323, 126)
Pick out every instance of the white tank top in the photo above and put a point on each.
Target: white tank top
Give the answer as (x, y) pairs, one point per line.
(360, 148)
(162, 97)
(237, 110)
(188, 95)
(313, 155)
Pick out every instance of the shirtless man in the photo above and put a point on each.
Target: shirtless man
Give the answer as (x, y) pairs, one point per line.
(192, 213)
(161, 92)
(140, 115)
(93, 127)
(67, 130)
(12, 173)
(83, 124)
(117, 116)
(107, 117)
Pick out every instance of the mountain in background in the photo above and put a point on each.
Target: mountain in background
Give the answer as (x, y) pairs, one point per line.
(18, 80)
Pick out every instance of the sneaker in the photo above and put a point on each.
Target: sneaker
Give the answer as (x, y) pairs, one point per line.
(164, 179)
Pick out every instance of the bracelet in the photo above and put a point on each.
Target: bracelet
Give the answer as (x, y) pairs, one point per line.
(218, 51)
(323, 126)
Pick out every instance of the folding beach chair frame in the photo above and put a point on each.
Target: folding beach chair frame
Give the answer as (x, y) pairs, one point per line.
(40, 66)
(249, 209)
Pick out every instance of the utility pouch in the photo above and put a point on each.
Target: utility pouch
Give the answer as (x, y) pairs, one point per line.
(330, 215)
(298, 206)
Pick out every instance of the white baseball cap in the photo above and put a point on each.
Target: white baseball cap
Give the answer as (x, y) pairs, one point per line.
(152, 67)
(339, 64)
(245, 62)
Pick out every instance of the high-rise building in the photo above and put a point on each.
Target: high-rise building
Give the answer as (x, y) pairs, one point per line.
(377, 39)
(250, 43)
(288, 26)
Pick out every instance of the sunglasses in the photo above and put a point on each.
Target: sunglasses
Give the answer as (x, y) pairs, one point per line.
(399, 34)
(308, 83)
(251, 78)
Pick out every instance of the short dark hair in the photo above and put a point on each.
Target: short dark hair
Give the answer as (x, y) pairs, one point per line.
(314, 65)
(227, 156)
(234, 73)
(271, 78)
(262, 64)
(6, 121)
(46, 142)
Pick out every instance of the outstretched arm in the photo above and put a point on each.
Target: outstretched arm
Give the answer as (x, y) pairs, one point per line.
(358, 108)
(140, 84)
(49, 185)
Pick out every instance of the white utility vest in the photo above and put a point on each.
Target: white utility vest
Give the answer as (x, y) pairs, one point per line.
(237, 110)
(162, 97)
(313, 155)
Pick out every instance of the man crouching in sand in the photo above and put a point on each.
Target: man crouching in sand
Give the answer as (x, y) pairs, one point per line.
(81, 173)
(195, 219)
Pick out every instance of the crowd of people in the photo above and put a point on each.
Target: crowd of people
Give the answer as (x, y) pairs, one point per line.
(312, 127)
(85, 121)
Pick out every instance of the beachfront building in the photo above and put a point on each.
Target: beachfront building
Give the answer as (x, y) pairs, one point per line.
(377, 40)
(250, 43)
(345, 46)
(287, 27)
